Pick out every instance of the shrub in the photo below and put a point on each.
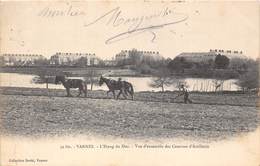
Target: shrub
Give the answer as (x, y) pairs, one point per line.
(221, 62)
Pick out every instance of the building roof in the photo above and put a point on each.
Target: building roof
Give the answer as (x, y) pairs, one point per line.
(190, 54)
(74, 54)
(30, 55)
(212, 54)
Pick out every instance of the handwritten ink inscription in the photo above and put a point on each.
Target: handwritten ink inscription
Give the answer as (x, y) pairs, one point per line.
(131, 26)
(68, 10)
(140, 24)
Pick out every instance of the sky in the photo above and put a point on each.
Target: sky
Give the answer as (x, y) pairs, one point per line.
(106, 28)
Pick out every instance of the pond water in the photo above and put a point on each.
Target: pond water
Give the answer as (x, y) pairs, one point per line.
(139, 83)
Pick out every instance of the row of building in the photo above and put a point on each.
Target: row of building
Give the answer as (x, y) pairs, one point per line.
(90, 59)
(57, 59)
(189, 56)
(210, 55)
(60, 58)
(74, 58)
(125, 54)
(20, 59)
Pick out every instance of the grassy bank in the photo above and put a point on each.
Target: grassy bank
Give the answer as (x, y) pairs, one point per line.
(71, 71)
(116, 72)
(209, 98)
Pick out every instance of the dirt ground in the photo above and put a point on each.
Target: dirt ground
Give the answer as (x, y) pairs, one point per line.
(35, 116)
(209, 98)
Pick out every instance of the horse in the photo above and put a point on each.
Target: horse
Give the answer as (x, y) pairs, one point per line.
(72, 83)
(124, 87)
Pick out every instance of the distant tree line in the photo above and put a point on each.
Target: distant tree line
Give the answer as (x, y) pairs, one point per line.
(179, 64)
(221, 66)
(249, 80)
(145, 64)
(246, 71)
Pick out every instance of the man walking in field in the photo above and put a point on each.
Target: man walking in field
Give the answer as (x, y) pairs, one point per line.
(185, 93)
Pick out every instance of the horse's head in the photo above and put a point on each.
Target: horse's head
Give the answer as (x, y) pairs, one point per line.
(59, 79)
(101, 80)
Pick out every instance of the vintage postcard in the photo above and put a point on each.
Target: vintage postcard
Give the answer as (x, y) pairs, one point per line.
(129, 83)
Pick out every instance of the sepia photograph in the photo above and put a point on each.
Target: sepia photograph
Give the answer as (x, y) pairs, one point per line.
(129, 83)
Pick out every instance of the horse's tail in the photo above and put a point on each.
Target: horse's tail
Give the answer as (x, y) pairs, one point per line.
(131, 90)
(85, 88)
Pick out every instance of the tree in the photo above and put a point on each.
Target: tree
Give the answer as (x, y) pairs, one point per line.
(91, 78)
(144, 69)
(161, 79)
(42, 62)
(179, 64)
(180, 83)
(134, 57)
(218, 84)
(2, 62)
(101, 63)
(249, 80)
(221, 62)
(82, 62)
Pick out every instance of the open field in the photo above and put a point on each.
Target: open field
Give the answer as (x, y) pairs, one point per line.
(35, 115)
(209, 98)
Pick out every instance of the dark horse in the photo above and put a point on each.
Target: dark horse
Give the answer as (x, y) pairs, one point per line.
(124, 87)
(72, 83)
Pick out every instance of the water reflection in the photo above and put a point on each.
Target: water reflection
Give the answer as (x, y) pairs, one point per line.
(139, 83)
